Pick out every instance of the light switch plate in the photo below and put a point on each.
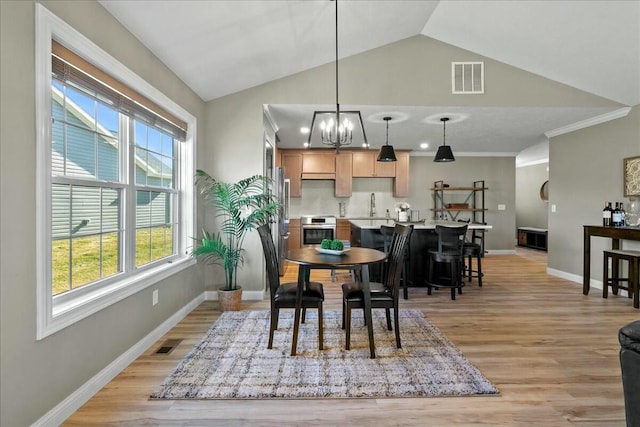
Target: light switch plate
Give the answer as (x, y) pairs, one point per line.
(553, 208)
(502, 207)
(154, 297)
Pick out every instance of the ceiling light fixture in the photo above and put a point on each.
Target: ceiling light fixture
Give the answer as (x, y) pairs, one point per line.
(444, 153)
(336, 127)
(386, 153)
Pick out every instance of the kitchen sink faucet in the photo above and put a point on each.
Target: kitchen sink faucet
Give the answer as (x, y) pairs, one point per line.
(372, 211)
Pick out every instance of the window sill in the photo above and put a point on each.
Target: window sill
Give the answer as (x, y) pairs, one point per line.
(70, 312)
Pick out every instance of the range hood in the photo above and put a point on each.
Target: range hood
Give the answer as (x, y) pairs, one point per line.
(318, 176)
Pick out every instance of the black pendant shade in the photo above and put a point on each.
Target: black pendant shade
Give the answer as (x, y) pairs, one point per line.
(387, 154)
(444, 153)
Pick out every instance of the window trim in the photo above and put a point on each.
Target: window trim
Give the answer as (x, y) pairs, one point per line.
(50, 318)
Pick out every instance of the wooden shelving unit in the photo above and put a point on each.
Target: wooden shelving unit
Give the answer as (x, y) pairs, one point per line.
(474, 201)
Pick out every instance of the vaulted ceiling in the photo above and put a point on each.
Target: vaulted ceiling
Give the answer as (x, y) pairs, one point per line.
(221, 47)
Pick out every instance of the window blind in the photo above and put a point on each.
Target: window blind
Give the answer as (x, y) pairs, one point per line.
(70, 68)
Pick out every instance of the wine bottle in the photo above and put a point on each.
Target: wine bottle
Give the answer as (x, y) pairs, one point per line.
(623, 216)
(616, 216)
(606, 215)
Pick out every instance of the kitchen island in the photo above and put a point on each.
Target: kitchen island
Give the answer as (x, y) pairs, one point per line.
(366, 233)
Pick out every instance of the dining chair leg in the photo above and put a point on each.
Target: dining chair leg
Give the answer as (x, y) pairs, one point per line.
(304, 315)
(344, 307)
(388, 313)
(479, 272)
(615, 265)
(605, 276)
(320, 326)
(347, 327)
(273, 326)
(396, 324)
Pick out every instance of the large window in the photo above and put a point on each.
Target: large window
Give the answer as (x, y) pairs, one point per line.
(115, 166)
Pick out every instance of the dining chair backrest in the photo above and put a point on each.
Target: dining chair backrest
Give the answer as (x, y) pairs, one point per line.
(270, 258)
(387, 232)
(450, 239)
(399, 243)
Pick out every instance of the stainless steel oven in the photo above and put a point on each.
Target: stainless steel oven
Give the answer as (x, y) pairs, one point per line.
(315, 228)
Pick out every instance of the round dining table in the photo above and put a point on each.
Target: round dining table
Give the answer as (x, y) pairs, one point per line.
(309, 257)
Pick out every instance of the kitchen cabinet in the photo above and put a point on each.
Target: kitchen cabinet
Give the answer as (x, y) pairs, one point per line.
(365, 165)
(344, 165)
(318, 165)
(294, 233)
(401, 183)
(343, 229)
(446, 204)
(292, 164)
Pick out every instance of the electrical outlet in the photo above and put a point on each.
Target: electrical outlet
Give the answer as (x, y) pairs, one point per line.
(155, 297)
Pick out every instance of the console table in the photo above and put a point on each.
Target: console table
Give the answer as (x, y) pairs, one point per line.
(615, 234)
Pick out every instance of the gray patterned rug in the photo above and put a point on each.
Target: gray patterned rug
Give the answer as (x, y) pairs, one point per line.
(233, 362)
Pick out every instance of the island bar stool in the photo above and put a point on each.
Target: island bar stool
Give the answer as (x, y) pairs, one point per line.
(633, 279)
(470, 250)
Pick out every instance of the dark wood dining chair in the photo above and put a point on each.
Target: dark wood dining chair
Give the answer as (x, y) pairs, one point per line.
(283, 295)
(383, 295)
(447, 256)
(387, 237)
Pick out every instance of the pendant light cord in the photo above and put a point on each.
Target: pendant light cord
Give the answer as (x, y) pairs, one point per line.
(387, 130)
(444, 132)
(337, 80)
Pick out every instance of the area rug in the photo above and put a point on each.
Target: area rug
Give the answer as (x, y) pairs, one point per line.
(233, 362)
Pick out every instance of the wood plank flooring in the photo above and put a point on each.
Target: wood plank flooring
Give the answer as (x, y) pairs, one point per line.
(551, 351)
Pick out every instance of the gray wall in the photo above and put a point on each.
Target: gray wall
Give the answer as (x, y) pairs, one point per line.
(37, 375)
(585, 168)
(531, 211)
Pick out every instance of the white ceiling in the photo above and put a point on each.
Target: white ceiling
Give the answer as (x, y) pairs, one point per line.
(221, 47)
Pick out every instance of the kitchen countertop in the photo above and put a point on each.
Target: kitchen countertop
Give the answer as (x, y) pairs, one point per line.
(422, 225)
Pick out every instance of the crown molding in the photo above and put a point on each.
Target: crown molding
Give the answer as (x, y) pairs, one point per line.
(616, 114)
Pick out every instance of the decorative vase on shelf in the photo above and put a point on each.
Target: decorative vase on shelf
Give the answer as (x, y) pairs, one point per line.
(403, 216)
(632, 217)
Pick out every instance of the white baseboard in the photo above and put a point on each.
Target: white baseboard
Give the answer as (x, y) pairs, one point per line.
(246, 295)
(75, 400)
(593, 284)
(501, 252)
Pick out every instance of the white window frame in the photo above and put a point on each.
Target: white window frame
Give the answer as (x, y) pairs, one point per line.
(56, 314)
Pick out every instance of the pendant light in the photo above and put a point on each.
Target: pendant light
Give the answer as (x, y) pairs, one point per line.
(444, 153)
(386, 153)
(336, 128)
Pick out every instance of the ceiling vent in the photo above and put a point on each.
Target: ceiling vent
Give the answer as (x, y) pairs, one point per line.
(467, 77)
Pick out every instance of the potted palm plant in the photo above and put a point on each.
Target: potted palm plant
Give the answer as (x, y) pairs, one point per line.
(241, 207)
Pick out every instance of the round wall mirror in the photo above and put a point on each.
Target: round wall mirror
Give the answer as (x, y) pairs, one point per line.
(544, 191)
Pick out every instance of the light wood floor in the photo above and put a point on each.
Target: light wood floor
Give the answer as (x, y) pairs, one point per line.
(552, 352)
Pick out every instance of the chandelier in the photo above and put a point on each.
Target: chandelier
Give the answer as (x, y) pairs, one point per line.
(336, 128)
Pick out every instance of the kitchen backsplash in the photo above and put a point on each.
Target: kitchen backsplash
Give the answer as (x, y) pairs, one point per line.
(318, 198)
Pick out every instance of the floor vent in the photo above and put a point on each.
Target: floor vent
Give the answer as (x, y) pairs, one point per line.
(467, 77)
(168, 346)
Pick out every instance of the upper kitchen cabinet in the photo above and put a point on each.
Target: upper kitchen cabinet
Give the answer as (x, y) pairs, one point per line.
(292, 164)
(318, 165)
(365, 165)
(401, 183)
(344, 165)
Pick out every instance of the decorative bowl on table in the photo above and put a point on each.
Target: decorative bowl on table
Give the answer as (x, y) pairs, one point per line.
(331, 251)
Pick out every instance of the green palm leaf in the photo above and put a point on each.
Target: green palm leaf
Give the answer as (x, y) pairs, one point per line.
(240, 207)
